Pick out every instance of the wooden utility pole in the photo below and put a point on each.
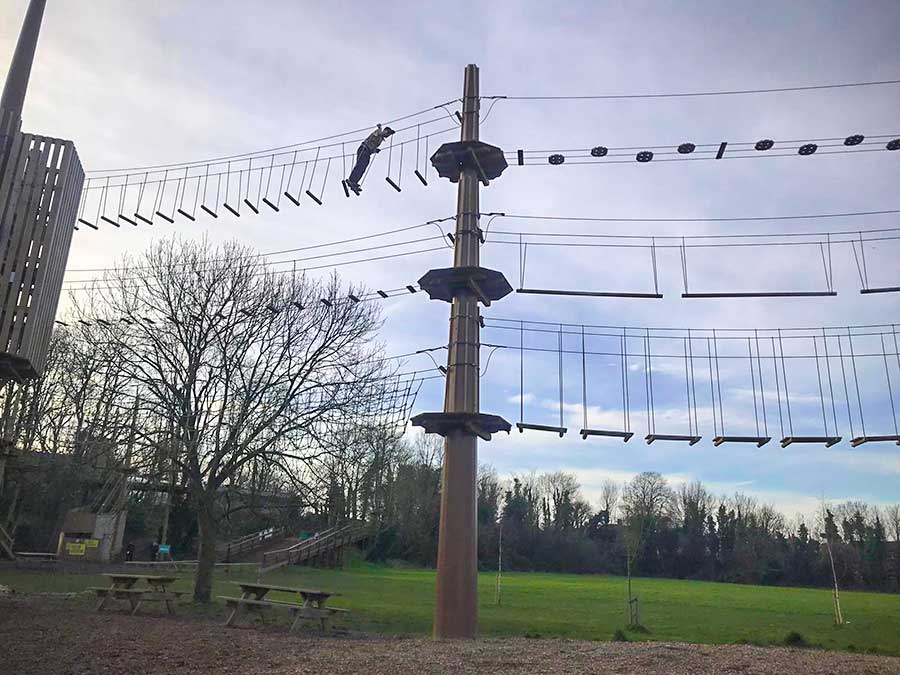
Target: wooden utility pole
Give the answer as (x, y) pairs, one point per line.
(468, 162)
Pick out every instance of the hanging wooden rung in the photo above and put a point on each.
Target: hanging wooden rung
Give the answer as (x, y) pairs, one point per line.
(346, 189)
(291, 197)
(882, 289)
(392, 184)
(589, 294)
(522, 426)
(759, 440)
(690, 440)
(624, 435)
(828, 441)
(110, 221)
(164, 217)
(270, 205)
(251, 206)
(129, 220)
(143, 219)
(187, 215)
(314, 198)
(209, 211)
(777, 294)
(91, 225)
(859, 440)
(421, 177)
(230, 208)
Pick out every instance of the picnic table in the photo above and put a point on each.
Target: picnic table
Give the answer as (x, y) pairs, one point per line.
(125, 587)
(311, 606)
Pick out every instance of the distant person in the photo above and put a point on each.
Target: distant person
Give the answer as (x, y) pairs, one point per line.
(129, 552)
(364, 155)
(154, 551)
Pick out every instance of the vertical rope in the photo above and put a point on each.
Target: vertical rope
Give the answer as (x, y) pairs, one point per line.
(625, 396)
(846, 390)
(584, 379)
(390, 157)
(652, 408)
(830, 381)
(687, 387)
(887, 373)
(787, 396)
(521, 372)
(325, 179)
(862, 419)
(653, 258)
(87, 191)
(762, 386)
(777, 387)
(719, 383)
(291, 173)
(753, 385)
(819, 378)
(690, 344)
(712, 387)
(560, 343)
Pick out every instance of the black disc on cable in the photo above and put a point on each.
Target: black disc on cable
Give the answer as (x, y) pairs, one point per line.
(686, 148)
(808, 149)
(765, 144)
(855, 139)
(599, 151)
(556, 159)
(644, 156)
(894, 144)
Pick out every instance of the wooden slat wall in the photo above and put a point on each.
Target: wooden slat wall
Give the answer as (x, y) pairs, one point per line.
(40, 186)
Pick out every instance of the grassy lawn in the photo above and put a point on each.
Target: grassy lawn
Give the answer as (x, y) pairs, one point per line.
(389, 600)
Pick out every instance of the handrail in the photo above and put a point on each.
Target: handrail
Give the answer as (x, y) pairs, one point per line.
(328, 540)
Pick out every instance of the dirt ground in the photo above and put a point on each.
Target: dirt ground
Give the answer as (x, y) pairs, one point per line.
(43, 635)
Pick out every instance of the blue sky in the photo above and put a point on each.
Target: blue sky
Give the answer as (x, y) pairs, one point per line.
(140, 83)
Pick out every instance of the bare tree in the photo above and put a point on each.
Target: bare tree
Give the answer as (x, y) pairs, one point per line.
(249, 365)
(610, 491)
(892, 521)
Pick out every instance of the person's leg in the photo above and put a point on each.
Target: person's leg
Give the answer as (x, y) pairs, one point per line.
(363, 156)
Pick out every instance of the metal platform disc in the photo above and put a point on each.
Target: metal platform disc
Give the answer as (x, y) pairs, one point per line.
(448, 282)
(443, 424)
(451, 158)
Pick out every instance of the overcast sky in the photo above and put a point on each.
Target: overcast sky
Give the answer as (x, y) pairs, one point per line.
(136, 83)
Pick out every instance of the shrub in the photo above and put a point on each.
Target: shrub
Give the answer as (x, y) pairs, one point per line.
(619, 636)
(795, 639)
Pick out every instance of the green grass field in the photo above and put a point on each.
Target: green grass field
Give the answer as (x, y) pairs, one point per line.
(390, 600)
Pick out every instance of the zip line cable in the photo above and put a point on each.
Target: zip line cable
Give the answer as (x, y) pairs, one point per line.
(721, 92)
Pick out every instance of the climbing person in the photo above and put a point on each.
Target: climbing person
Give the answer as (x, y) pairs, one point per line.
(364, 155)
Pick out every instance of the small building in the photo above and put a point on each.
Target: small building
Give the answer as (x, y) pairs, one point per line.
(96, 537)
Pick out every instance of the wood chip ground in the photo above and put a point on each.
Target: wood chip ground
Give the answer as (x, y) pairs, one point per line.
(40, 635)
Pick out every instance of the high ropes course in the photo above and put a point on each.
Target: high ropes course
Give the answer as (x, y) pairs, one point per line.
(269, 179)
(851, 395)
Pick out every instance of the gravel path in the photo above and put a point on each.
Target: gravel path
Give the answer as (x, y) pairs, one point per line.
(42, 636)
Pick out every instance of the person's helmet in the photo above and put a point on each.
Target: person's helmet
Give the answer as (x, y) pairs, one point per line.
(388, 131)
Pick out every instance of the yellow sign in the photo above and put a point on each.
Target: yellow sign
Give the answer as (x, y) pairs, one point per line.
(75, 549)
(92, 543)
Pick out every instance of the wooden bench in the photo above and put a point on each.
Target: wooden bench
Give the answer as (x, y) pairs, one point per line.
(124, 588)
(300, 612)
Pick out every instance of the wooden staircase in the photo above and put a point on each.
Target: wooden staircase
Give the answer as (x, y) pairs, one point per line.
(325, 548)
(240, 547)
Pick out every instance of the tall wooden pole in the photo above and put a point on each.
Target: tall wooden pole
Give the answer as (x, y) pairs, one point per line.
(456, 609)
(13, 98)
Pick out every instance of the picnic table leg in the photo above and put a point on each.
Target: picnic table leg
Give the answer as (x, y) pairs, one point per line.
(244, 596)
(102, 602)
